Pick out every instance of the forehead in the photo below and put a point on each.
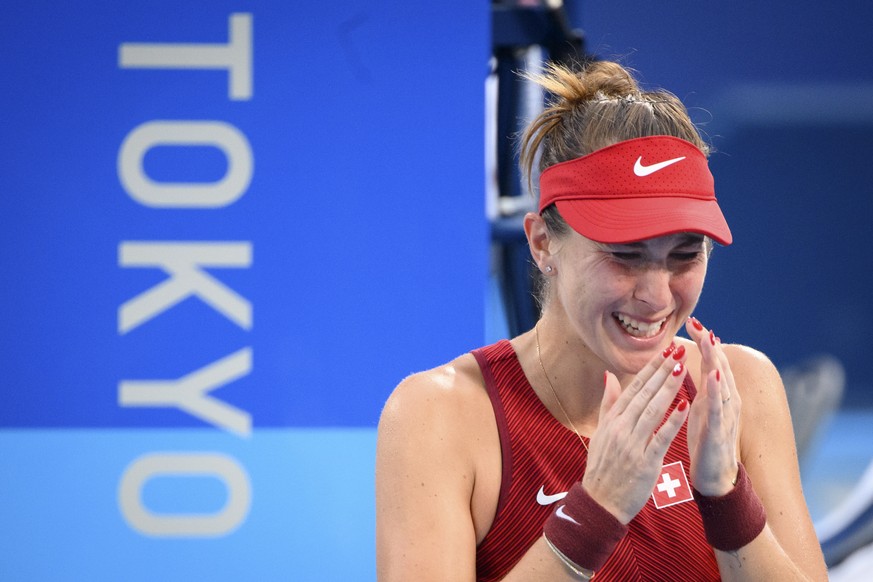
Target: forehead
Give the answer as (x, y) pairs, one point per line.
(670, 240)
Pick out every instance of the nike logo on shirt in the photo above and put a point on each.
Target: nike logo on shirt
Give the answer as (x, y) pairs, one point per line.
(544, 499)
(643, 171)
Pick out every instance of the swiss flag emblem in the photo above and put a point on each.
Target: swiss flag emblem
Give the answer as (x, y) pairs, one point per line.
(672, 486)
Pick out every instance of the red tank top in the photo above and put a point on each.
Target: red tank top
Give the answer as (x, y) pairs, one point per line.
(541, 458)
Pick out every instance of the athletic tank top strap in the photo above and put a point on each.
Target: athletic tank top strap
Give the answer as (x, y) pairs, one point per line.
(495, 359)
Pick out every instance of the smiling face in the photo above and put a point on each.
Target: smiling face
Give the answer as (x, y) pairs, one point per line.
(626, 302)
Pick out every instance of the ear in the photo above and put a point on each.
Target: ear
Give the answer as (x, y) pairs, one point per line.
(538, 239)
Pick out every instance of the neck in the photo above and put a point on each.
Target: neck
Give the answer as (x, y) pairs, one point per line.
(571, 371)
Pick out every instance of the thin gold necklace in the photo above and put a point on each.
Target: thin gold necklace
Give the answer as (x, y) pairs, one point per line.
(554, 393)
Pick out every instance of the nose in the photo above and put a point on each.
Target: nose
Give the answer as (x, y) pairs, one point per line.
(653, 287)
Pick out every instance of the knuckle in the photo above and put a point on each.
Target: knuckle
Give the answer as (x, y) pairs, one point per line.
(652, 387)
(652, 410)
(635, 385)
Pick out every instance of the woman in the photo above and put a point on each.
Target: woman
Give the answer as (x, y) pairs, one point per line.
(599, 443)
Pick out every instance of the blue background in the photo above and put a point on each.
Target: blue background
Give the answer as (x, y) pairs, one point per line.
(369, 261)
(370, 246)
(366, 195)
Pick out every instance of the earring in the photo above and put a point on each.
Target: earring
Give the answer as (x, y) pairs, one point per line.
(548, 268)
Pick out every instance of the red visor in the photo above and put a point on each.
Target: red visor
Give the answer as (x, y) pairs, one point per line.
(636, 189)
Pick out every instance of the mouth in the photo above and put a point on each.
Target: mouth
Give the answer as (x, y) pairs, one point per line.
(637, 328)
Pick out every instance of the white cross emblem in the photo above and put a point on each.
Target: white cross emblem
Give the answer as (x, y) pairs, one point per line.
(669, 485)
(673, 486)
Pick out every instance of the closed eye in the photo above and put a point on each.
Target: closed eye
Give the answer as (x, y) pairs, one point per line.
(685, 256)
(626, 256)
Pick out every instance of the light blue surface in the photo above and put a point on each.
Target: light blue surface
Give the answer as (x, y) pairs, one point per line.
(311, 518)
(837, 459)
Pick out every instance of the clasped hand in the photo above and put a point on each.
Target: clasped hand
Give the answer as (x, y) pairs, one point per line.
(626, 452)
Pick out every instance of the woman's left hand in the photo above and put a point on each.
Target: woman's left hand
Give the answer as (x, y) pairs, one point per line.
(714, 417)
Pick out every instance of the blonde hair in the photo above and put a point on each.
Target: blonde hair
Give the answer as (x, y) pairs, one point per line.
(590, 108)
(595, 107)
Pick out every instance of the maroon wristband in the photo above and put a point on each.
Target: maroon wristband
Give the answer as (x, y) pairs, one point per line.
(583, 530)
(735, 519)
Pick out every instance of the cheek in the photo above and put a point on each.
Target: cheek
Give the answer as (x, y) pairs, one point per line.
(689, 284)
(601, 289)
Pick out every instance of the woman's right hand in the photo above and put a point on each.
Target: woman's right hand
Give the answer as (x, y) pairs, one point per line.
(626, 451)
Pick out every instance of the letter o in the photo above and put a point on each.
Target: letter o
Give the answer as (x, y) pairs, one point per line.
(183, 465)
(148, 192)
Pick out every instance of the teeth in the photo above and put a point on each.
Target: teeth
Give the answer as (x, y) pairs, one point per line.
(639, 328)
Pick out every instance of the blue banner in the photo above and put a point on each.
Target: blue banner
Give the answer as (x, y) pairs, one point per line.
(237, 219)
(229, 230)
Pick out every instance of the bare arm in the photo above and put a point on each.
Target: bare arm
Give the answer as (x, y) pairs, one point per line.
(788, 545)
(424, 485)
(436, 491)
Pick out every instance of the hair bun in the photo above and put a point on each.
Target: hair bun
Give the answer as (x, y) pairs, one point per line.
(594, 107)
(599, 80)
(608, 79)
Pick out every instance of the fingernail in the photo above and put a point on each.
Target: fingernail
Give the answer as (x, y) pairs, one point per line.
(697, 325)
(605, 377)
(669, 349)
(711, 337)
(683, 404)
(717, 340)
(718, 375)
(680, 351)
(677, 369)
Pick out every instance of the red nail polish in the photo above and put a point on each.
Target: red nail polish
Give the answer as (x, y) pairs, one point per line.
(683, 404)
(711, 337)
(669, 349)
(680, 351)
(717, 375)
(677, 369)
(697, 325)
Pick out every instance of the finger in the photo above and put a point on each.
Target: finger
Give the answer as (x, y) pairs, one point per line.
(730, 396)
(653, 413)
(713, 350)
(716, 361)
(653, 386)
(725, 367)
(703, 338)
(611, 393)
(713, 357)
(695, 329)
(662, 439)
(724, 389)
(714, 399)
(706, 345)
(651, 369)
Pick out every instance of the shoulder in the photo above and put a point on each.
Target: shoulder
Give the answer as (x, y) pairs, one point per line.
(748, 358)
(746, 363)
(759, 385)
(438, 434)
(765, 417)
(755, 375)
(750, 367)
(433, 456)
(437, 399)
(458, 380)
